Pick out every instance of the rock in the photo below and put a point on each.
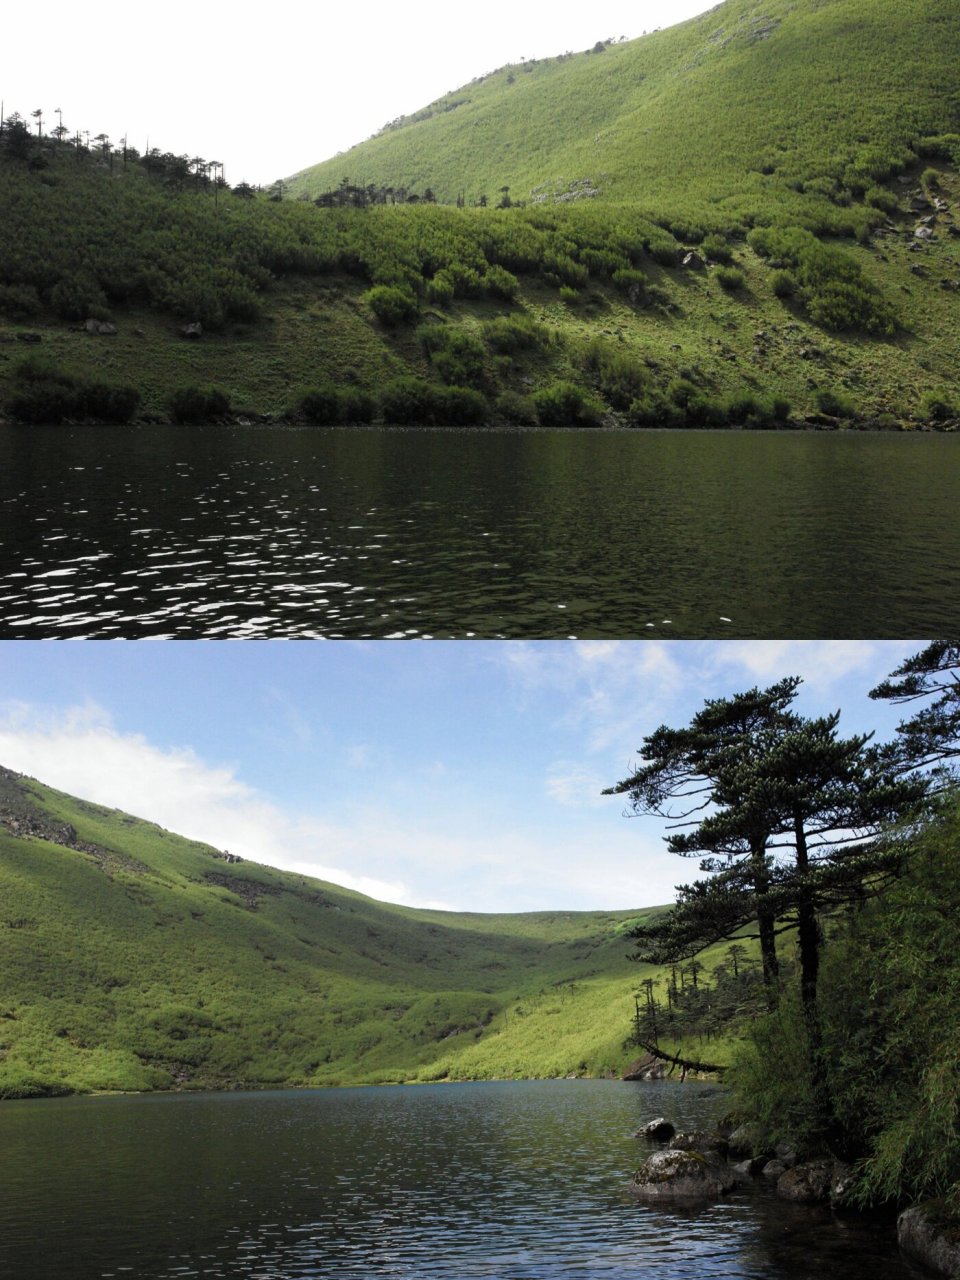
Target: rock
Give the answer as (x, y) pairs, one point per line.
(841, 1184)
(928, 1234)
(682, 1175)
(192, 331)
(693, 262)
(750, 1168)
(746, 1141)
(659, 1130)
(774, 1169)
(783, 1151)
(99, 326)
(807, 1183)
(645, 1068)
(923, 233)
(29, 337)
(700, 1140)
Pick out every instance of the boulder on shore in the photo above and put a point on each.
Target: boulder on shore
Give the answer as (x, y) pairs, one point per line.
(682, 1175)
(659, 1130)
(746, 1141)
(700, 1140)
(928, 1234)
(807, 1183)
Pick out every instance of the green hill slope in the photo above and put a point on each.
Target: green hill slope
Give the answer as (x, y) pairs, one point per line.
(746, 220)
(131, 958)
(730, 108)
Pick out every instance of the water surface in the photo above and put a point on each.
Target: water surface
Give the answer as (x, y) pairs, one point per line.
(277, 532)
(448, 1182)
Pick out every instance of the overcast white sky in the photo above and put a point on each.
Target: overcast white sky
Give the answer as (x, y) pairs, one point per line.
(453, 774)
(269, 89)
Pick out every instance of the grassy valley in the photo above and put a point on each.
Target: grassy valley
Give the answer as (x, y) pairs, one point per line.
(135, 959)
(746, 220)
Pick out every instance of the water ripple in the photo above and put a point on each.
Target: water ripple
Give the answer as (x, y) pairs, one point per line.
(398, 534)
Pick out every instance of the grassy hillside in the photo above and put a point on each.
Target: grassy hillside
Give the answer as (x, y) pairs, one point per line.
(131, 958)
(722, 114)
(807, 155)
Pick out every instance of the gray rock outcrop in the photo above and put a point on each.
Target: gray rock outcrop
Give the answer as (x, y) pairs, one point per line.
(927, 1234)
(682, 1175)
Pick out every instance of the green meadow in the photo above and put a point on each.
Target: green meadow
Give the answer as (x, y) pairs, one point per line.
(137, 959)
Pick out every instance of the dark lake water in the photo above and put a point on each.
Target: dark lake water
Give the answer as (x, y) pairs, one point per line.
(275, 532)
(446, 1182)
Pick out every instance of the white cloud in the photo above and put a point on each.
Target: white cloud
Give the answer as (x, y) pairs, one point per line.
(574, 785)
(81, 751)
(446, 860)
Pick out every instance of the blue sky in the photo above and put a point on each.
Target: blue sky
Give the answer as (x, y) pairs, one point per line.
(460, 775)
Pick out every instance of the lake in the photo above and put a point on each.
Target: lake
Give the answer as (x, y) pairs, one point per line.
(505, 1181)
(185, 532)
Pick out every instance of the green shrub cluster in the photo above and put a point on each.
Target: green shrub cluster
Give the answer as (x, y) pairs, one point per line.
(832, 287)
(938, 406)
(509, 334)
(457, 356)
(834, 403)
(730, 279)
(392, 306)
(198, 404)
(327, 406)
(414, 402)
(45, 393)
(564, 404)
(683, 404)
(619, 378)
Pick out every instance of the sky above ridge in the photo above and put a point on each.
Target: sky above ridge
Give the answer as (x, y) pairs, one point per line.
(454, 774)
(268, 90)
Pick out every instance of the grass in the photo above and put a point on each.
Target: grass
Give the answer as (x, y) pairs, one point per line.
(152, 963)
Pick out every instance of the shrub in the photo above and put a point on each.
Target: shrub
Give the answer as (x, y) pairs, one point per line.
(666, 255)
(440, 290)
(457, 356)
(881, 198)
(198, 404)
(620, 379)
(930, 180)
(783, 284)
(566, 405)
(392, 306)
(627, 279)
(836, 293)
(501, 283)
(320, 405)
(357, 405)
(44, 402)
(73, 296)
(515, 333)
(730, 278)
(48, 394)
(517, 409)
(108, 403)
(460, 407)
(408, 401)
(19, 301)
(936, 406)
(413, 402)
(716, 248)
(654, 410)
(569, 296)
(834, 404)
